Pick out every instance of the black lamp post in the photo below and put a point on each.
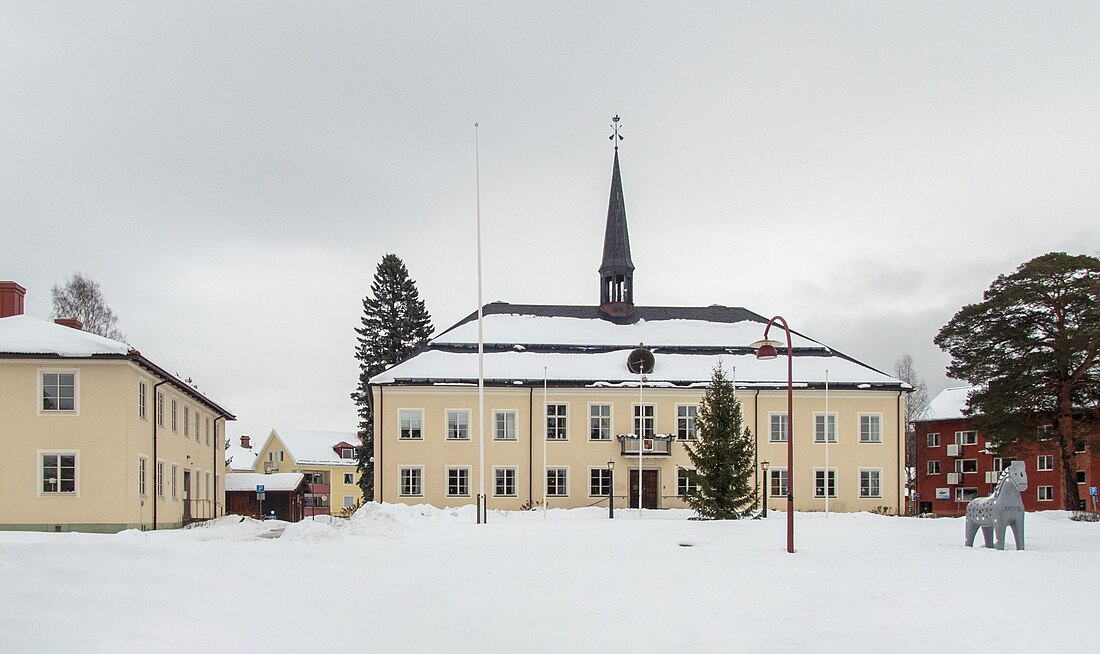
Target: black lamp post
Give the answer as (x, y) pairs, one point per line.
(610, 490)
(764, 467)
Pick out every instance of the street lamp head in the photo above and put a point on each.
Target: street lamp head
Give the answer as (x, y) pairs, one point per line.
(610, 465)
(764, 464)
(765, 349)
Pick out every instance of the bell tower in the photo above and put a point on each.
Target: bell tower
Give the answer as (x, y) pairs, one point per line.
(617, 270)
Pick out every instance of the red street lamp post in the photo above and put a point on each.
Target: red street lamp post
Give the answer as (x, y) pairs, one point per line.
(765, 349)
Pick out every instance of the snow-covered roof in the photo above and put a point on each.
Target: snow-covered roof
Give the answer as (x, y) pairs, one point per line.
(949, 404)
(314, 447)
(276, 481)
(28, 335)
(577, 345)
(241, 458)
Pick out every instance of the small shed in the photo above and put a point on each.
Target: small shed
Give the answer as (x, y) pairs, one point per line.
(284, 494)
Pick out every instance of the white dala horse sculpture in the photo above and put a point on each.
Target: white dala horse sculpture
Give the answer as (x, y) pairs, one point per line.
(1004, 508)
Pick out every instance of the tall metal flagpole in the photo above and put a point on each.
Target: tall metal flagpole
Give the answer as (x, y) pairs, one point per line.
(826, 442)
(545, 440)
(641, 431)
(482, 511)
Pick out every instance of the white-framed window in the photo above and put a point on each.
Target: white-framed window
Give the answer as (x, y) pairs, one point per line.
(933, 439)
(412, 424)
(820, 421)
(172, 481)
(685, 483)
(1080, 476)
(58, 391)
(411, 479)
(965, 494)
(160, 408)
(349, 501)
(142, 463)
(208, 485)
(347, 452)
(1046, 493)
(966, 438)
(458, 482)
(504, 482)
(1044, 462)
(207, 430)
(196, 425)
(645, 420)
(819, 482)
(160, 478)
(186, 421)
(557, 482)
(196, 476)
(599, 422)
(1079, 446)
(686, 415)
(933, 467)
(458, 424)
(57, 472)
(777, 427)
(142, 400)
(349, 478)
(777, 482)
(174, 414)
(870, 482)
(599, 482)
(557, 422)
(870, 428)
(504, 425)
(966, 465)
(1001, 462)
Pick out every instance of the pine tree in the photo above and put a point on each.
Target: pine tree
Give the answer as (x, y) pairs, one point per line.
(724, 456)
(395, 324)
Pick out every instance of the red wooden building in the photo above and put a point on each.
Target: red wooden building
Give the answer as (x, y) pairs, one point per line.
(284, 495)
(955, 463)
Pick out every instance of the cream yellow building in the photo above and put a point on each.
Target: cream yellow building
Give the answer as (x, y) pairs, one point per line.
(327, 458)
(557, 381)
(95, 437)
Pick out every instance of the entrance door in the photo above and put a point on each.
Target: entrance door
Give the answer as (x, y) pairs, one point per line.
(186, 496)
(649, 489)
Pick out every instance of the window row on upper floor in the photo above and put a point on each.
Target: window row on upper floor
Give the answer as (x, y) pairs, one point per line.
(868, 427)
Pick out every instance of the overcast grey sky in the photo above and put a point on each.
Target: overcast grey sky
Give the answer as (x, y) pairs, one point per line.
(231, 173)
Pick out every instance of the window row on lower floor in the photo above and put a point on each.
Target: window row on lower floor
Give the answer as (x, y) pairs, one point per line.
(505, 480)
(59, 475)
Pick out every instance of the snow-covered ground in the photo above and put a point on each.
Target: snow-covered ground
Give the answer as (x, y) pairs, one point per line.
(417, 579)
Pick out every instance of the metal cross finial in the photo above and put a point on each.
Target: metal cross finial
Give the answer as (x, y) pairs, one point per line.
(615, 126)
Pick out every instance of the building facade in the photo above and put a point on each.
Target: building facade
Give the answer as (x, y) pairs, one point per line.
(956, 463)
(95, 436)
(566, 422)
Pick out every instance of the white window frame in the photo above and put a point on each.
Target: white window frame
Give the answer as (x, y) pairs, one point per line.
(75, 372)
(830, 475)
(684, 483)
(687, 423)
(961, 463)
(831, 421)
(598, 423)
(874, 482)
(874, 425)
(415, 418)
(960, 493)
(350, 453)
(173, 483)
(647, 424)
(934, 464)
(557, 425)
(967, 437)
(349, 478)
(159, 480)
(174, 415)
(143, 465)
(498, 480)
(561, 479)
(207, 429)
(1081, 476)
(778, 482)
(208, 495)
(187, 421)
(1044, 458)
(1048, 491)
(416, 474)
(502, 430)
(458, 470)
(605, 479)
(932, 439)
(41, 476)
(143, 400)
(784, 432)
(160, 409)
(460, 431)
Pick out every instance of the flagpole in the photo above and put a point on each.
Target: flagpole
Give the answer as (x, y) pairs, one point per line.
(545, 440)
(826, 442)
(482, 510)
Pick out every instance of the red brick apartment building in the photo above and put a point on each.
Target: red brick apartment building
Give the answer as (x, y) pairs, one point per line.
(955, 463)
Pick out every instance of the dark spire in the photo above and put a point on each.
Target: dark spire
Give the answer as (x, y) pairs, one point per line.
(617, 270)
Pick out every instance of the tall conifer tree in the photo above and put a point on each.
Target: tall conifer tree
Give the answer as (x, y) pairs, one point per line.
(724, 456)
(395, 324)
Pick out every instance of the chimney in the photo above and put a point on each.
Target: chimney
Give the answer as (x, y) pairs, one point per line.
(70, 322)
(246, 441)
(11, 299)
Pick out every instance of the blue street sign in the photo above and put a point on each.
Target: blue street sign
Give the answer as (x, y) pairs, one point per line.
(1092, 491)
(259, 488)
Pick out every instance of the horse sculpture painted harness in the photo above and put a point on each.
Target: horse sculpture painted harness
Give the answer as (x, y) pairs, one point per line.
(1004, 508)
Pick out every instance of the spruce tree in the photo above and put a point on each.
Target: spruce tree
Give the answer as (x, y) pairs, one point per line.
(395, 324)
(724, 456)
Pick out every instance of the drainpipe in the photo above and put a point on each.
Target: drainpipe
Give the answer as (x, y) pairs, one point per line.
(756, 428)
(214, 491)
(380, 439)
(156, 417)
(531, 445)
(901, 455)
